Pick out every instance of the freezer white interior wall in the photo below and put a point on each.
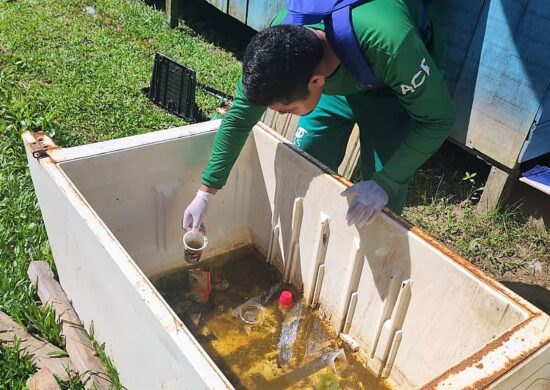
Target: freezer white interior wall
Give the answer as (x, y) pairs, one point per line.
(451, 314)
(265, 191)
(148, 344)
(141, 193)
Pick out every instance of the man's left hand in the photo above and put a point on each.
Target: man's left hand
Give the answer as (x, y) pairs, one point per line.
(368, 201)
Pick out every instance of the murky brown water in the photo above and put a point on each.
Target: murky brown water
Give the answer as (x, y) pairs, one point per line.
(249, 354)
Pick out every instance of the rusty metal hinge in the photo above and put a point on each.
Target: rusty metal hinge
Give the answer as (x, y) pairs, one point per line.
(42, 144)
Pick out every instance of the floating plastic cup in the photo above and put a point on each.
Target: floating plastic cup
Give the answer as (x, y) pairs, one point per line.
(336, 360)
(251, 313)
(194, 243)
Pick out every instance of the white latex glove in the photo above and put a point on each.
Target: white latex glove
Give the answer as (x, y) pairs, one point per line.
(195, 212)
(368, 201)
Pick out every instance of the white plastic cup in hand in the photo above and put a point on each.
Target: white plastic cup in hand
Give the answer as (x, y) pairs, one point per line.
(194, 243)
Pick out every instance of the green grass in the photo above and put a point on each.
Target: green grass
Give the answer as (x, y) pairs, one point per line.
(442, 200)
(15, 369)
(22, 234)
(87, 71)
(78, 77)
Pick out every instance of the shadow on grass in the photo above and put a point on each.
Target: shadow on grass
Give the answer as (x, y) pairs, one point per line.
(451, 174)
(213, 25)
(537, 295)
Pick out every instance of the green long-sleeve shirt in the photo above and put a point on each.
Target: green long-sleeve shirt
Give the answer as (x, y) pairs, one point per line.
(387, 31)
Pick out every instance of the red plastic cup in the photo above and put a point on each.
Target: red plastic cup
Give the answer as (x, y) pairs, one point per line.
(285, 300)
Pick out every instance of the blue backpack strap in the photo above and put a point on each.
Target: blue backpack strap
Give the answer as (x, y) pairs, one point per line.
(340, 34)
(302, 12)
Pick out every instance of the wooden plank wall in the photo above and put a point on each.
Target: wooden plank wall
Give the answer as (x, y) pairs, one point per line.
(255, 13)
(219, 4)
(505, 74)
(460, 21)
(538, 142)
(261, 12)
(286, 124)
(238, 9)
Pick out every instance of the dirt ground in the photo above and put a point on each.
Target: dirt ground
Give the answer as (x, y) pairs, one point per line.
(531, 283)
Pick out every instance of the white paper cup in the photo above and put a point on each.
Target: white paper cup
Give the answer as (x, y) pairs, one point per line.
(194, 243)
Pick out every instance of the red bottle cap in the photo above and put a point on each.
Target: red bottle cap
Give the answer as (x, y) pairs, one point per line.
(285, 300)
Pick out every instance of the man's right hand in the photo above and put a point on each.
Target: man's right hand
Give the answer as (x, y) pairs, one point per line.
(195, 212)
(368, 201)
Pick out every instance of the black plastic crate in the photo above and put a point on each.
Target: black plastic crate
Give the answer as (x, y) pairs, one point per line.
(173, 87)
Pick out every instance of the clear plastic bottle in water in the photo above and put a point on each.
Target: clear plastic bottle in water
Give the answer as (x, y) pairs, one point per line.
(289, 332)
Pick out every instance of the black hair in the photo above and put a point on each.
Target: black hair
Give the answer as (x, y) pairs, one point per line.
(278, 64)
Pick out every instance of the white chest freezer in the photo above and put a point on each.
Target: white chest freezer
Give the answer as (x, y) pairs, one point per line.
(420, 315)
